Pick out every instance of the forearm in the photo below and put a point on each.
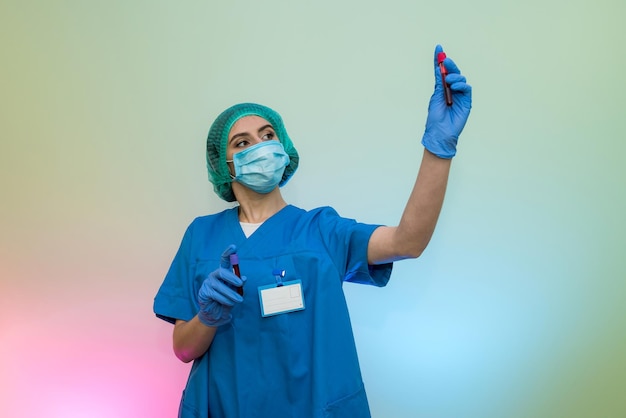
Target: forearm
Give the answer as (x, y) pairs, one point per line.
(417, 224)
(192, 339)
(422, 210)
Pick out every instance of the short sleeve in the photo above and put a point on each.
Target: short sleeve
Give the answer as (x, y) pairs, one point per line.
(347, 242)
(174, 300)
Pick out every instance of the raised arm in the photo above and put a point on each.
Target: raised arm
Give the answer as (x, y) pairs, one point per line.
(443, 127)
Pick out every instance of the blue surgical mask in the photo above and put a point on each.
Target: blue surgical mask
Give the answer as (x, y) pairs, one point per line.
(261, 166)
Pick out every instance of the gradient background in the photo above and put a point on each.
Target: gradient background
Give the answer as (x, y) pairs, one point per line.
(515, 310)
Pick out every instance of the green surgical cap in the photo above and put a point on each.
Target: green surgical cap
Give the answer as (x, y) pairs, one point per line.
(218, 140)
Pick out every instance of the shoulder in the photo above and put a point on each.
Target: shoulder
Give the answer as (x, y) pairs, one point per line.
(320, 215)
(320, 212)
(205, 221)
(206, 225)
(327, 221)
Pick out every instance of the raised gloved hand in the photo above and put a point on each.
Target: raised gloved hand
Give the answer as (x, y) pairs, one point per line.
(217, 295)
(445, 123)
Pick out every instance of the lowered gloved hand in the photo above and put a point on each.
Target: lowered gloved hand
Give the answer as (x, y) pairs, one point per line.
(445, 123)
(217, 295)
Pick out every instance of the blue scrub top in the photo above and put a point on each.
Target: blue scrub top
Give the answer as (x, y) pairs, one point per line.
(297, 364)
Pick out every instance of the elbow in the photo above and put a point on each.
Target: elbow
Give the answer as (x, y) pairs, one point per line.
(182, 351)
(405, 253)
(414, 249)
(183, 355)
(185, 359)
(401, 249)
(414, 252)
(410, 243)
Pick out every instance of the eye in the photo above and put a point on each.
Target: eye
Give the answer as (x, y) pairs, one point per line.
(268, 136)
(242, 143)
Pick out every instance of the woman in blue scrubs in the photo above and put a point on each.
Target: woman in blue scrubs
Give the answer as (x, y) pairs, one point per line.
(276, 340)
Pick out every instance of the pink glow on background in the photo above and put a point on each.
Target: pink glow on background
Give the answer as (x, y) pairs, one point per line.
(79, 355)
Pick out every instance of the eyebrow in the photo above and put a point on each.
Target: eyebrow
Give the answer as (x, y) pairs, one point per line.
(261, 129)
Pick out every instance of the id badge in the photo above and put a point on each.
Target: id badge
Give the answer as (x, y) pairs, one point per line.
(281, 299)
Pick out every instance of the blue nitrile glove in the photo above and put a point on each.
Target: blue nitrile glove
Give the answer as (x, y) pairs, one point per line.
(217, 295)
(445, 123)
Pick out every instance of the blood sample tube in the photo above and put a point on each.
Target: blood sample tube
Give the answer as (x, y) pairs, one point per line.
(234, 261)
(446, 88)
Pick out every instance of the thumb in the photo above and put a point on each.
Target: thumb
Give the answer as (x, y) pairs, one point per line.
(438, 50)
(225, 260)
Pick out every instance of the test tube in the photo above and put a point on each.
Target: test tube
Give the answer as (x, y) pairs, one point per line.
(234, 261)
(446, 88)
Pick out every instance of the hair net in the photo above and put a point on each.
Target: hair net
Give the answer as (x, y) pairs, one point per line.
(217, 141)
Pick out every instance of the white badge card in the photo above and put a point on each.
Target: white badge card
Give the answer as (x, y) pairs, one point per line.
(281, 299)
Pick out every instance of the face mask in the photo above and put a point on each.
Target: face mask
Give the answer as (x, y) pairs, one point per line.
(261, 166)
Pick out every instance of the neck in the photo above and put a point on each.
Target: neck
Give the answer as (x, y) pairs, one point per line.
(256, 208)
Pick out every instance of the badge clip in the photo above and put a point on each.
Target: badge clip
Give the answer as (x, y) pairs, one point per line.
(278, 274)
